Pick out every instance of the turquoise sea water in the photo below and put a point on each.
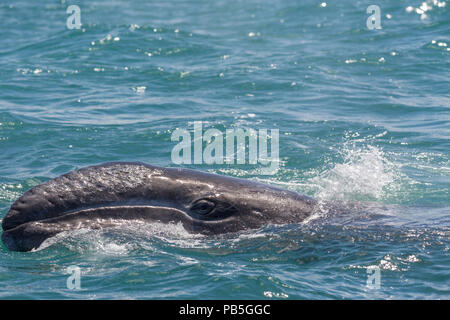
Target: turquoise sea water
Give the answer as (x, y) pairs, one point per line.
(363, 116)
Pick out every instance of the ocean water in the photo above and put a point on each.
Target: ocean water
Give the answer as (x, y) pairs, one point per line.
(363, 117)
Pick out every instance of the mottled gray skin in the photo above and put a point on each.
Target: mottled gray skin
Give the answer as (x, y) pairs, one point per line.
(107, 194)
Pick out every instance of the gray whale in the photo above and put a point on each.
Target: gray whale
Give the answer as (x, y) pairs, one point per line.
(105, 195)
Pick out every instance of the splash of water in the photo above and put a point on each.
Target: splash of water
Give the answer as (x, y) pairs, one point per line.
(366, 173)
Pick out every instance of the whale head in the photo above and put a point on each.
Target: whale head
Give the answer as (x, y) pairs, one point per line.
(109, 194)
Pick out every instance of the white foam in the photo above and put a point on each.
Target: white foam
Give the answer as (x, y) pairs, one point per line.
(116, 240)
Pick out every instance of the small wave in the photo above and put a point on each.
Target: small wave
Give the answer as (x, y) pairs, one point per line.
(121, 240)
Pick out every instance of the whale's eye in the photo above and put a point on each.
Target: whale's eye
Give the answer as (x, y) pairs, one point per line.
(203, 206)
